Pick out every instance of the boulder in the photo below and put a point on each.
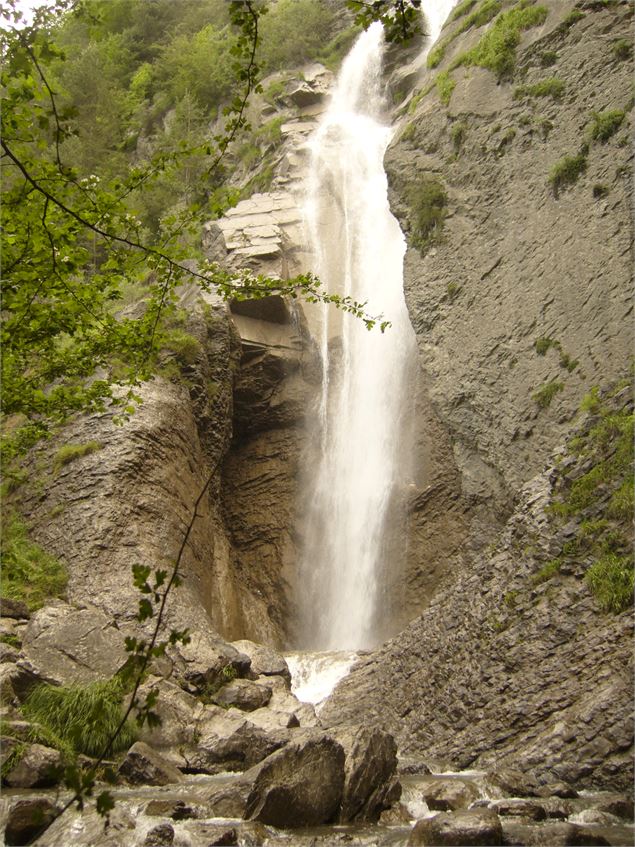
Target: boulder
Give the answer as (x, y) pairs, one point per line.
(282, 700)
(16, 680)
(230, 742)
(458, 829)
(14, 609)
(519, 808)
(8, 653)
(553, 834)
(144, 766)
(37, 767)
(396, 815)
(202, 662)
(300, 785)
(449, 795)
(558, 789)
(616, 804)
(247, 834)
(178, 810)
(409, 768)
(596, 818)
(180, 715)
(265, 661)
(27, 818)
(514, 783)
(64, 645)
(229, 801)
(369, 783)
(556, 807)
(243, 694)
(271, 721)
(161, 835)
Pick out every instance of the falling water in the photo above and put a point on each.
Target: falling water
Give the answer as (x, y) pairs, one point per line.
(357, 481)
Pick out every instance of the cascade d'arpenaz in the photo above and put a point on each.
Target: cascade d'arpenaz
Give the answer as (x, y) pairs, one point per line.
(361, 427)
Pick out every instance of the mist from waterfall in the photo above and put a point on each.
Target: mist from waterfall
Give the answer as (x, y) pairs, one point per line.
(353, 530)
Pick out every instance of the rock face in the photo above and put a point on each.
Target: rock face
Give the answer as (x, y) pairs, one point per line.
(503, 668)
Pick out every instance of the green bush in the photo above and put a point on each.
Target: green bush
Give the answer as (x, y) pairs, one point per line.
(545, 394)
(622, 49)
(485, 12)
(544, 344)
(600, 190)
(185, 347)
(496, 50)
(610, 579)
(82, 717)
(552, 87)
(548, 59)
(428, 202)
(567, 171)
(573, 17)
(606, 124)
(28, 572)
(462, 9)
(70, 452)
(445, 86)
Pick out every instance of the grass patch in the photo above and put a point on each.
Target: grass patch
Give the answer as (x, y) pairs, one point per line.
(542, 345)
(551, 87)
(458, 134)
(419, 97)
(600, 190)
(611, 581)
(428, 208)
(573, 17)
(599, 494)
(545, 394)
(462, 9)
(270, 133)
(70, 452)
(485, 12)
(185, 347)
(496, 50)
(621, 49)
(445, 86)
(547, 571)
(548, 59)
(567, 171)
(81, 717)
(29, 573)
(605, 124)
(11, 640)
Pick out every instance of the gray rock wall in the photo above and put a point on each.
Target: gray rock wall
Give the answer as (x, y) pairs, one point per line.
(497, 669)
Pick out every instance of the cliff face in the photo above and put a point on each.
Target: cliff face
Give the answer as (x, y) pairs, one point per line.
(518, 285)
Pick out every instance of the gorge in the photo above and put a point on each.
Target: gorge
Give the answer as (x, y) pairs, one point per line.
(458, 477)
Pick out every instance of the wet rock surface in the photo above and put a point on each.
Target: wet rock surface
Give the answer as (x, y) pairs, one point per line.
(463, 829)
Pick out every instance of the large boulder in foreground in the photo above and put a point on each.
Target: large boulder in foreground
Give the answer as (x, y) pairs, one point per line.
(370, 785)
(475, 828)
(144, 766)
(230, 742)
(27, 818)
(300, 785)
(37, 767)
(65, 645)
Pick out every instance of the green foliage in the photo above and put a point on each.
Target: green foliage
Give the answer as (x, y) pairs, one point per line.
(605, 124)
(70, 452)
(428, 208)
(547, 571)
(621, 49)
(401, 19)
(12, 760)
(458, 133)
(294, 32)
(185, 347)
(496, 50)
(28, 572)
(545, 394)
(11, 640)
(479, 17)
(573, 17)
(601, 495)
(419, 97)
(600, 190)
(611, 580)
(462, 9)
(552, 87)
(83, 716)
(445, 86)
(333, 52)
(567, 171)
(543, 344)
(548, 58)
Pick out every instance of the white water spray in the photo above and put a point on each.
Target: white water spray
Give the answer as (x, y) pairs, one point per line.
(355, 503)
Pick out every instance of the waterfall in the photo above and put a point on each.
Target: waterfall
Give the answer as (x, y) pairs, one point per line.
(354, 517)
